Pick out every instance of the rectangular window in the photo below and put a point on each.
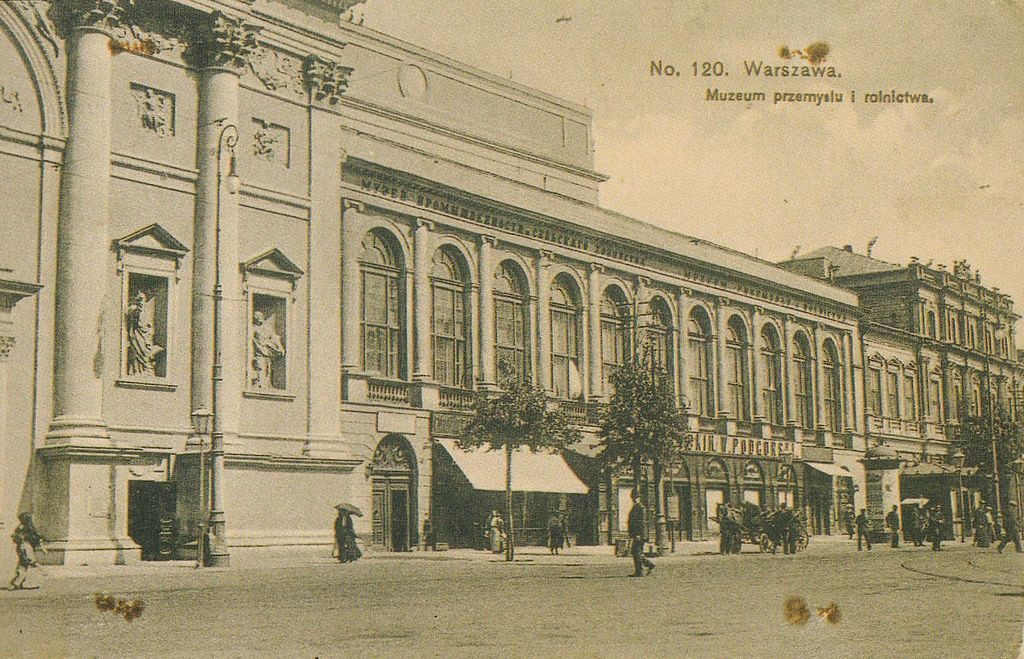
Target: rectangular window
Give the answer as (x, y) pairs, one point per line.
(770, 393)
(909, 398)
(935, 401)
(892, 395)
(874, 393)
(564, 353)
(802, 394)
(737, 382)
(510, 336)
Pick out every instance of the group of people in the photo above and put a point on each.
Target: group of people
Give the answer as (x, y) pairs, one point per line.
(987, 528)
(558, 533)
(919, 525)
(782, 526)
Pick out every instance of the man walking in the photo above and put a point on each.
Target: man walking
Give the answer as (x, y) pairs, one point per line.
(892, 520)
(862, 529)
(637, 529)
(936, 528)
(1010, 526)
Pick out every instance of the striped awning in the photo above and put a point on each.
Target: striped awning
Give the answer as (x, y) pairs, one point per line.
(531, 472)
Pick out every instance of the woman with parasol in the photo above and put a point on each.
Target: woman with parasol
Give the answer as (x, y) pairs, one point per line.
(345, 534)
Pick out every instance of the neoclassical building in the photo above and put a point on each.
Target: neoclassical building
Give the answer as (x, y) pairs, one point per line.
(261, 260)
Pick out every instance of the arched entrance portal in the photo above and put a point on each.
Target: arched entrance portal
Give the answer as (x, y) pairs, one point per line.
(393, 475)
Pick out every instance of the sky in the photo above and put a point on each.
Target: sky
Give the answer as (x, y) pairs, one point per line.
(941, 181)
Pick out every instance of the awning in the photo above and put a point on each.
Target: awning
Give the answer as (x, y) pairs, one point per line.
(531, 472)
(929, 469)
(830, 469)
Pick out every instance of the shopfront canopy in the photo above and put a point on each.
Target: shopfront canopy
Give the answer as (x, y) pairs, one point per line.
(830, 469)
(531, 472)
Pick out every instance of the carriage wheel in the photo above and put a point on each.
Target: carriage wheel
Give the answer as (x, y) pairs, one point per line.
(764, 542)
(802, 541)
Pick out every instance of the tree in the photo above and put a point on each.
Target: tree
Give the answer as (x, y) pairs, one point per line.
(642, 424)
(978, 433)
(515, 418)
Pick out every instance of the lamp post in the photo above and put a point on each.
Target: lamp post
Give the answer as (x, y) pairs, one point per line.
(201, 426)
(958, 460)
(218, 556)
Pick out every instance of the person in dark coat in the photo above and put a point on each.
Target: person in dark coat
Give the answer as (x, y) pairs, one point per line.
(27, 542)
(1010, 528)
(982, 528)
(892, 520)
(786, 521)
(637, 529)
(862, 529)
(345, 537)
(556, 534)
(936, 528)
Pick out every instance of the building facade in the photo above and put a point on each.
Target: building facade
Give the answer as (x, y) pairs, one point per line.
(326, 241)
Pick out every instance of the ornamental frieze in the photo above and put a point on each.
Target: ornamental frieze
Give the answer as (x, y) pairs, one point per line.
(278, 72)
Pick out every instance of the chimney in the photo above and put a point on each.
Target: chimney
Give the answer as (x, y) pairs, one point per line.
(848, 248)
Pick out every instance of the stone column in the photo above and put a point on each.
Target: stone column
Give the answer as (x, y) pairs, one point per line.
(543, 321)
(848, 411)
(351, 313)
(82, 228)
(488, 367)
(424, 366)
(682, 348)
(594, 316)
(721, 388)
(787, 361)
(756, 404)
(817, 353)
(220, 48)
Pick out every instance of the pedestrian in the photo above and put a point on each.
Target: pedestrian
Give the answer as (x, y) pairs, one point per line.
(27, 542)
(429, 540)
(925, 522)
(862, 530)
(892, 520)
(496, 532)
(637, 529)
(786, 522)
(556, 534)
(345, 537)
(848, 520)
(1010, 528)
(982, 528)
(936, 528)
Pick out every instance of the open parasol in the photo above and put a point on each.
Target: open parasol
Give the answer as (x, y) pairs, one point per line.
(349, 508)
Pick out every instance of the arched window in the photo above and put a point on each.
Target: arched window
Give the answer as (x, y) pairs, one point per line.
(699, 367)
(737, 372)
(565, 339)
(659, 334)
(932, 324)
(511, 319)
(614, 333)
(383, 305)
(450, 326)
(833, 388)
(803, 367)
(771, 369)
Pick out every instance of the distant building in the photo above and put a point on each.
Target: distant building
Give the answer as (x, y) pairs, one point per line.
(383, 227)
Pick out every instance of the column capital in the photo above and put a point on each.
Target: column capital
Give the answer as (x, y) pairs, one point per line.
(222, 41)
(104, 15)
(6, 346)
(597, 268)
(353, 204)
(722, 302)
(544, 257)
(488, 239)
(685, 291)
(325, 79)
(424, 223)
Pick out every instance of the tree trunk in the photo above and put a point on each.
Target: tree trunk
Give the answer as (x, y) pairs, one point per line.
(659, 510)
(510, 540)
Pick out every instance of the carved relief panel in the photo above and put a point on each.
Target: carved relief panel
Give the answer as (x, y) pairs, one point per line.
(271, 143)
(155, 110)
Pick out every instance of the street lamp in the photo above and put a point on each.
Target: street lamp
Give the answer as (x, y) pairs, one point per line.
(958, 460)
(201, 426)
(219, 557)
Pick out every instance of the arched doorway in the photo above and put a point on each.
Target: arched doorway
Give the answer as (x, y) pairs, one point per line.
(716, 491)
(753, 484)
(393, 477)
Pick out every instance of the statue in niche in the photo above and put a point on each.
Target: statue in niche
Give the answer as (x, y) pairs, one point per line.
(142, 347)
(267, 347)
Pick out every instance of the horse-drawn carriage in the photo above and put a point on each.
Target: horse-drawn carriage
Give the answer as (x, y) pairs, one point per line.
(753, 525)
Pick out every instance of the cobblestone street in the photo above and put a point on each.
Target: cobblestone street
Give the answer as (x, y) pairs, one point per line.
(910, 602)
